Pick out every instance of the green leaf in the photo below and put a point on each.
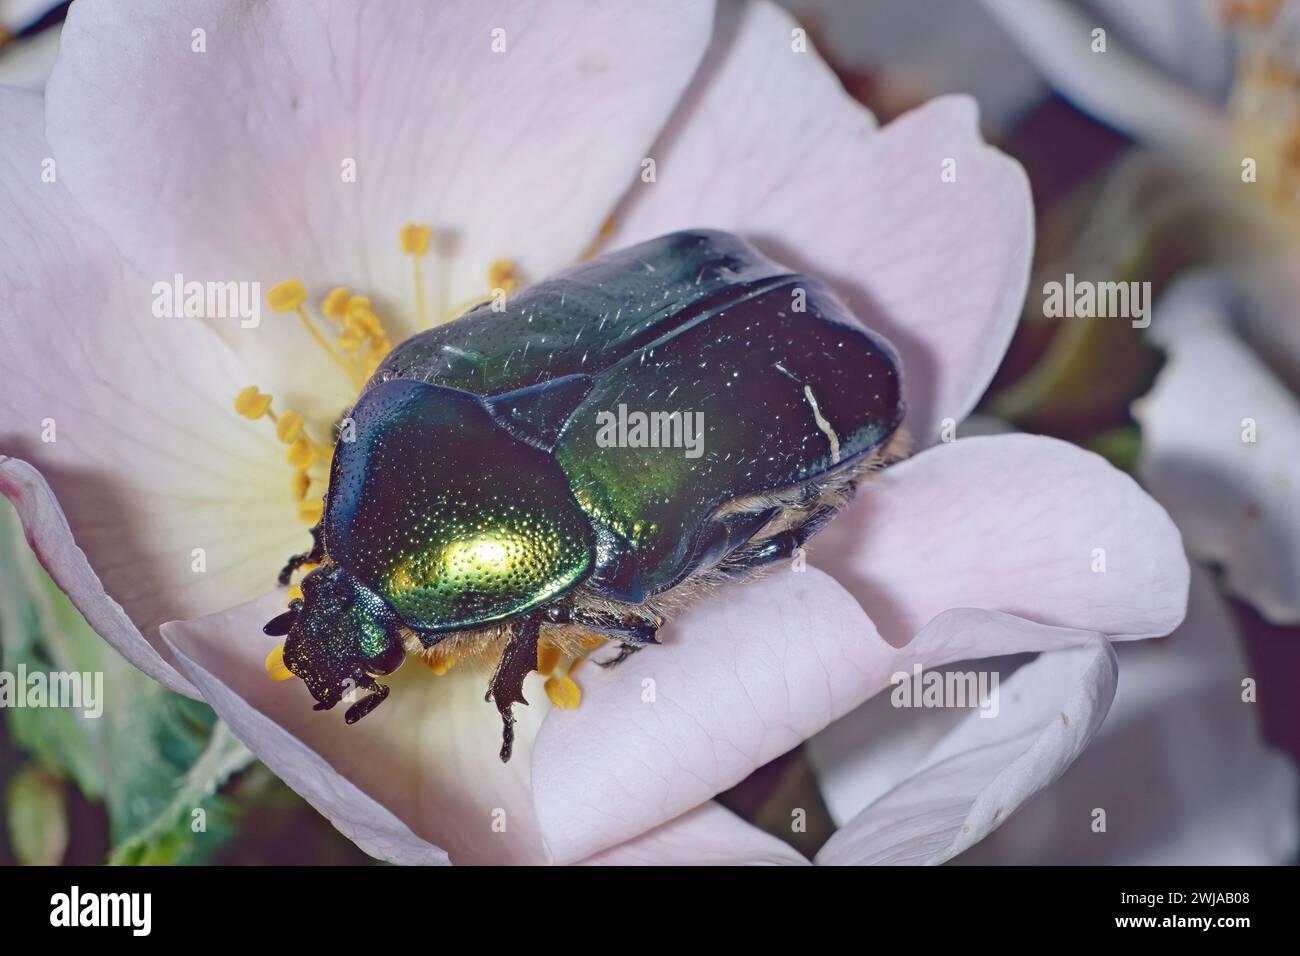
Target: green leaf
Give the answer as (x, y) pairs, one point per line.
(170, 833)
(151, 757)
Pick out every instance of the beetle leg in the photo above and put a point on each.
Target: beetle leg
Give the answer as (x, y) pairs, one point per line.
(624, 652)
(315, 555)
(780, 545)
(518, 660)
(378, 694)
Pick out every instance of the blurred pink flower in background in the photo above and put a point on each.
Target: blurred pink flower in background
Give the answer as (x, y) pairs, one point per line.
(1213, 87)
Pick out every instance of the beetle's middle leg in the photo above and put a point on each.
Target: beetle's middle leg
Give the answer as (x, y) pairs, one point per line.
(518, 660)
(781, 545)
(632, 631)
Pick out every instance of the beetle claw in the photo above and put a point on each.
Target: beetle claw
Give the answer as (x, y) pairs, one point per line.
(624, 652)
(368, 703)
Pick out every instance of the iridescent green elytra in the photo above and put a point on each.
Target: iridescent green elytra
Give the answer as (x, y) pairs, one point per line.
(479, 488)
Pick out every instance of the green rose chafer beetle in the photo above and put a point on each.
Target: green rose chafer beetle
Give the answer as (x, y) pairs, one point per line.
(475, 496)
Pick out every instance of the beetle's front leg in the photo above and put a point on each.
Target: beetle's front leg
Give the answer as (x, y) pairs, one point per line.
(378, 694)
(518, 660)
(315, 555)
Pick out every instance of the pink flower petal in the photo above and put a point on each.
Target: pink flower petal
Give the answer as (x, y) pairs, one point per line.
(427, 756)
(1117, 86)
(769, 146)
(129, 417)
(1179, 766)
(709, 835)
(1236, 500)
(974, 777)
(741, 678)
(234, 164)
(50, 538)
(925, 48)
(368, 824)
(1014, 523)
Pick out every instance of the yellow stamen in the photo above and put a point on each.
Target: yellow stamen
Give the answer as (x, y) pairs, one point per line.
(548, 656)
(1250, 12)
(336, 302)
(329, 350)
(349, 340)
(415, 243)
(288, 428)
(606, 230)
(415, 239)
(301, 482)
(438, 660)
(275, 667)
(501, 275)
(564, 693)
(251, 403)
(287, 296)
(309, 512)
(357, 305)
(300, 454)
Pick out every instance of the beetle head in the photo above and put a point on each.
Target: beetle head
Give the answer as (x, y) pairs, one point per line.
(340, 635)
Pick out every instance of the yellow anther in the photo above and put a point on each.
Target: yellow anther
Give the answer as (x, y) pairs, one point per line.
(415, 239)
(357, 305)
(350, 340)
(288, 428)
(289, 296)
(310, 511)
(438, 660)
(252, 403)
(294, 594)
(564, 693)
(548, 656)
(300, 453)
(308, 566)
(301, 482)
(590, 641)
(336, 302)
(286, 296)
(415, 243)
(501, 275)
(355, 321)
(275, 664)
